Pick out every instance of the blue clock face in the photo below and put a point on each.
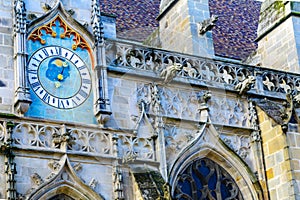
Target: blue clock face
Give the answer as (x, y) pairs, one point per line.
(59, 77)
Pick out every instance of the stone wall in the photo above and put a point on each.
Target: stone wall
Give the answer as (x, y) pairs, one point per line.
(278, 37)
(6, 56)
(278, 49)
(293, 138)
(179, 28)
(277, 159)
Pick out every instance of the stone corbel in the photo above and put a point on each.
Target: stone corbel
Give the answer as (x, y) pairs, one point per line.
(22, 94)
(102, 108)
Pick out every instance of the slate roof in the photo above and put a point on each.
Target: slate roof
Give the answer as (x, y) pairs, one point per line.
(236, 28)
(233, 35)
(136, 19)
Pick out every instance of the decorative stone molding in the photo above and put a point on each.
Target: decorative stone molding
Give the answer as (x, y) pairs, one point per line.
(102, 108)
(63, 178)
(238, 143)
(207, 144)
(133, 148)
(97, 23)
(6, 147)
(207, 24)
(118, 184)
(22, 95)
(200, 71)
(36, 179)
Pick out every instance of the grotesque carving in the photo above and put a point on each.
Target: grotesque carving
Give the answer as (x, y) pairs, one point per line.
(207, 24)
(169, 73)
(245, 85)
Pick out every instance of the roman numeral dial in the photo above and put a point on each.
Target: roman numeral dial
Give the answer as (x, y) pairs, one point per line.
(59, 77)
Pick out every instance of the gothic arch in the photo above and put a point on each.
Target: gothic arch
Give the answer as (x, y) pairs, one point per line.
(209, 145)
(64, 181)
(81, 36)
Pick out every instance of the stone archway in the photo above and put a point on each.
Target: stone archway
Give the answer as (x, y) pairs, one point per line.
(205, 179)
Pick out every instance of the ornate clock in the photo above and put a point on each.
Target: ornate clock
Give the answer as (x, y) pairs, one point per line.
(59, 77)
(60, 61)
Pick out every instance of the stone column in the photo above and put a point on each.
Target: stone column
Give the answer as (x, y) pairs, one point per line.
(22, 95)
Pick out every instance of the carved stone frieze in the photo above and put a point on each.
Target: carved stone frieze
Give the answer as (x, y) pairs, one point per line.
(176, 139)
(229, 111)
(47, 136)
(183, 104)
(132, 148)
(200, 71)
(238, 143)
(54, 165)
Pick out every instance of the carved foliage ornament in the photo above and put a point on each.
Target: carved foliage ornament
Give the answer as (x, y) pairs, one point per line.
(37, 34)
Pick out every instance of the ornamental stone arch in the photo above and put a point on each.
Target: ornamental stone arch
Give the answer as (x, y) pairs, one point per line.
(210, 153)
(63, 182)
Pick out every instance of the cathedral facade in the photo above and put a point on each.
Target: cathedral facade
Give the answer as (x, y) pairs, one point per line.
(94, 107)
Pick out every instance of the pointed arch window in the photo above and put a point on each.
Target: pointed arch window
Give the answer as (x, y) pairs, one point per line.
(203, 179)
(61, 197)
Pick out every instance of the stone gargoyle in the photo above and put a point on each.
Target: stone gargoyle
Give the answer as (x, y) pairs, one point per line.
(245, 85)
